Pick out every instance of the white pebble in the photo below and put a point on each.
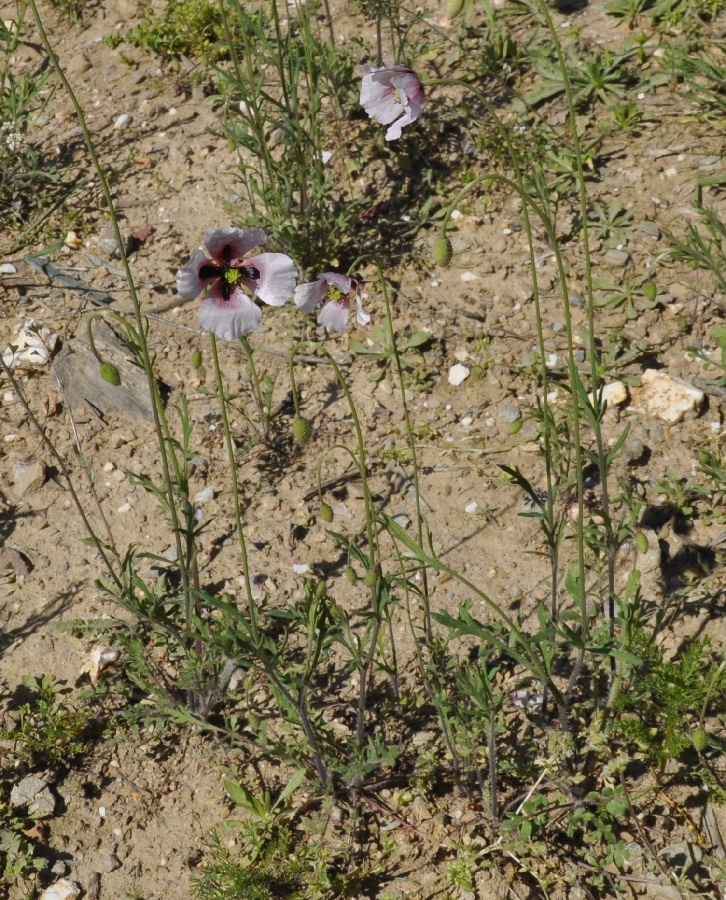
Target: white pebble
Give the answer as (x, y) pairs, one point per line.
(124, 508)
(108, 467)
(123, 120)
(458, 374)
(471, 507)
(204, 496)
(8, 269)
(300, 568)
(469, 276)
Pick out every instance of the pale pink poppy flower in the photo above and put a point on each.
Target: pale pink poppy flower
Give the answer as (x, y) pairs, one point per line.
(227, 310)
(392, 94)
(339, 290)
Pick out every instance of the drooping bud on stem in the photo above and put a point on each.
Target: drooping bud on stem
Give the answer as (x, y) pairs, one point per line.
(326, 512)
(301, 430)
(196, 359)
(110, 373)
(442, 251)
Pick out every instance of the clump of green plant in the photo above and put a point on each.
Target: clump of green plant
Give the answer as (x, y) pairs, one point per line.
(19, 866)
(666, 700)
(46, 730)
(22, 100)
(191, 28)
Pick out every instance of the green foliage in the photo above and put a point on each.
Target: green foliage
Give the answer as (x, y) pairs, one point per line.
(192, 28)
(660, 708)
(47, 731)
(22, 99)
(18, 863)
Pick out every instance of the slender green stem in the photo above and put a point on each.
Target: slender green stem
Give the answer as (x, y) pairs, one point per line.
(252, 368)
(232, 460)
(160, 423)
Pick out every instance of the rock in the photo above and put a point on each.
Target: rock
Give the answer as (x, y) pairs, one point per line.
(204, 496)
(12, 560)
(73, 241)
(469, 276)
(616, 258)
(8, 269)
(34, 793)
(613, 393)
(123, 121)
(107, 241)
(62, 890)
(649, 228)
(29, 476)
(665, 397)
(109, 862)
(633, 451)
(509, 413)
(458, 374)
(78, 371)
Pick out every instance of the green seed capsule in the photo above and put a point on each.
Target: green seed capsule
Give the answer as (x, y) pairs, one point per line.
(700, 739)
(351, 574)
(371, 578)
(453, 8)
(642, 542)
(326, 512)
(110, 373)
(301, 430)
(650, 290)
(196, 359)
(442, 251)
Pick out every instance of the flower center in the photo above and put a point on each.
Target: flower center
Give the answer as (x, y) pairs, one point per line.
(334, 294)
(232, 276)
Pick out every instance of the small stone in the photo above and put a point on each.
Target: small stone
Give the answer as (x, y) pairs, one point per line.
(62, 890)
(34, 793)
(422, 737)
(665, 397)
(649, 228)
(613, 394)
(8, 269)
(204, 496)
(471, 507)
(73, 241)
(458, 374)
(29, 476)
(616, 258)
(109, 862)
(300, 568)
(633, 451)
(123, 120)
(469, 276)
(508, 413)
(124, 508)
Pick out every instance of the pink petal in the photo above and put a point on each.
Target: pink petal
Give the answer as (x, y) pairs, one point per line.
(342, 282)
(394, 132)
(189, 283)
(362, 317)
(379, 100)
(410, 88)
(277, 278)
(307, 296)
(334, 315)
(240, 242)
(229, 319)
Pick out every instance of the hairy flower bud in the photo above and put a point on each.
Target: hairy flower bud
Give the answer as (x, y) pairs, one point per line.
(454, 8)
(371, 578)
(442, 251)
(196, 359)
(301, 430)
(326, 512)
(650, 290)
(110, 373)
(351, 574)
(700, 739)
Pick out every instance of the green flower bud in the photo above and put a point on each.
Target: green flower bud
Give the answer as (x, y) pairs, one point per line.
(351, 574)
(110, 373)
(700, 739)
(454, 7)
(371, 578)
(641, 542)
(326, 512)
(301, 430)
(442, 251)
(650, 290)
(196, 359)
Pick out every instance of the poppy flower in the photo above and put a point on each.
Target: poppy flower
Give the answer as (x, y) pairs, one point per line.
(392, 95)
(227, 310)
(339, 290)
